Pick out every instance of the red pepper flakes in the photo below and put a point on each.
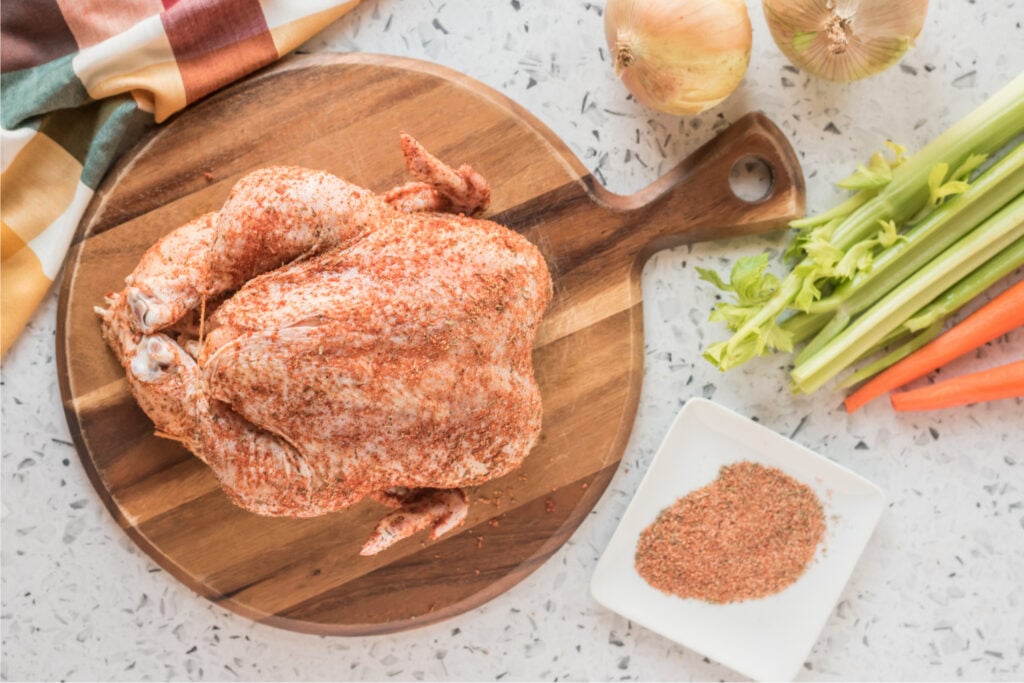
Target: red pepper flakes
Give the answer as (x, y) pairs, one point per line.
(208, 176)
(549, 505)
(750, 533)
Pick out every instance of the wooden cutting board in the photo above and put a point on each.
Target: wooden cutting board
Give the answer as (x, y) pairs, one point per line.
(343, 113)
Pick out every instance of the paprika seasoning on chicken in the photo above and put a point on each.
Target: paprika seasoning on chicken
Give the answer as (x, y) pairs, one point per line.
(748, 534)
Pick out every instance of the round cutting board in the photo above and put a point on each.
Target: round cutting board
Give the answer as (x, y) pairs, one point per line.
(343, 113)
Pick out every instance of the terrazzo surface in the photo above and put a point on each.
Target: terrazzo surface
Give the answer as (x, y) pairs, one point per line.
(938, 593)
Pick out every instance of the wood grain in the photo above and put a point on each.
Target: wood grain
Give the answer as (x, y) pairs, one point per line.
(343, 114)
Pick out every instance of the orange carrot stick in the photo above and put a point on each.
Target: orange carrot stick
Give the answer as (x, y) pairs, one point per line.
(994, 319)
(1006, 381)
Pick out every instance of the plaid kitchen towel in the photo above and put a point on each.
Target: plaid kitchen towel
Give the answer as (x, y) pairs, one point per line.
(82, 79)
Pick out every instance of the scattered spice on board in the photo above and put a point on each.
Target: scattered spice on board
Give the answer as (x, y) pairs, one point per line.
(750, 533)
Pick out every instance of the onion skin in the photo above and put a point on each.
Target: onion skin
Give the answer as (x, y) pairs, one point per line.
(679, 56)
(845, 40)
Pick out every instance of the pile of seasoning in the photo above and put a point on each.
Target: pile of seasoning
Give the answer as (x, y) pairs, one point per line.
(750, 533)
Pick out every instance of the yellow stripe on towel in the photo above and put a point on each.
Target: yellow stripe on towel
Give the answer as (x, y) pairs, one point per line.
(36, 188)
(22, 286)
(290, 27)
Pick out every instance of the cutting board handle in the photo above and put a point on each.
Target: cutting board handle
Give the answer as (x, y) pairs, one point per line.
(695, 202)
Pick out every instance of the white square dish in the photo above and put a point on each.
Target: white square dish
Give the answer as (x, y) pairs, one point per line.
(768, 638)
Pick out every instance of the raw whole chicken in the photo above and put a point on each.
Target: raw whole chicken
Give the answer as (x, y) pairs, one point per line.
(316, 344)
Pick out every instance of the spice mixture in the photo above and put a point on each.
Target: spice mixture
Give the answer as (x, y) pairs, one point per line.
(748, 534)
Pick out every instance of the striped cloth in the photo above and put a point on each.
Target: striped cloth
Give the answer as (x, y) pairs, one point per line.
(83, 79)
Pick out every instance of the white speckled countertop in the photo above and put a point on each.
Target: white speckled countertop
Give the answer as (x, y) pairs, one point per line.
(938, 593)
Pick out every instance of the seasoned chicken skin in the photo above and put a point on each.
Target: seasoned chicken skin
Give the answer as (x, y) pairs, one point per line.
(316, 344)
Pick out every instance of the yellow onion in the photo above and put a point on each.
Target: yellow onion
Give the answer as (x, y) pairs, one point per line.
(679, 56)
(845, 40)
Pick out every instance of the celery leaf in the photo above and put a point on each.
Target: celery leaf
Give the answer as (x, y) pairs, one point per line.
(728, 354)
(970, 165)
(776, 338)
(750, 284)
(795, 249)
(714, 278)
(938, 189)
(856, 259)
(820, 250)
(747, 281)
(876, 174)
(953, 187)
(733, 315)
(899, 153)
(807, 274)
(888, 235)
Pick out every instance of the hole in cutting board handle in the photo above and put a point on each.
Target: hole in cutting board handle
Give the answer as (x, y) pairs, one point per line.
(751, 179)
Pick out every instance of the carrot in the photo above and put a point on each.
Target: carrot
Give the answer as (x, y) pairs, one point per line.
(1006, 381)
(994, 319)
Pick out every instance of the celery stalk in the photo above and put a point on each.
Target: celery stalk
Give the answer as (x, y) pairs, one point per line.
(995, 187)
(988, 128)
(803, 326)
(840, 211)
(898, 354)
(951, 221)
(919, 245)
(985, 130)
(950, 301)
(927, 323)
(970, 252)
(827, 333)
